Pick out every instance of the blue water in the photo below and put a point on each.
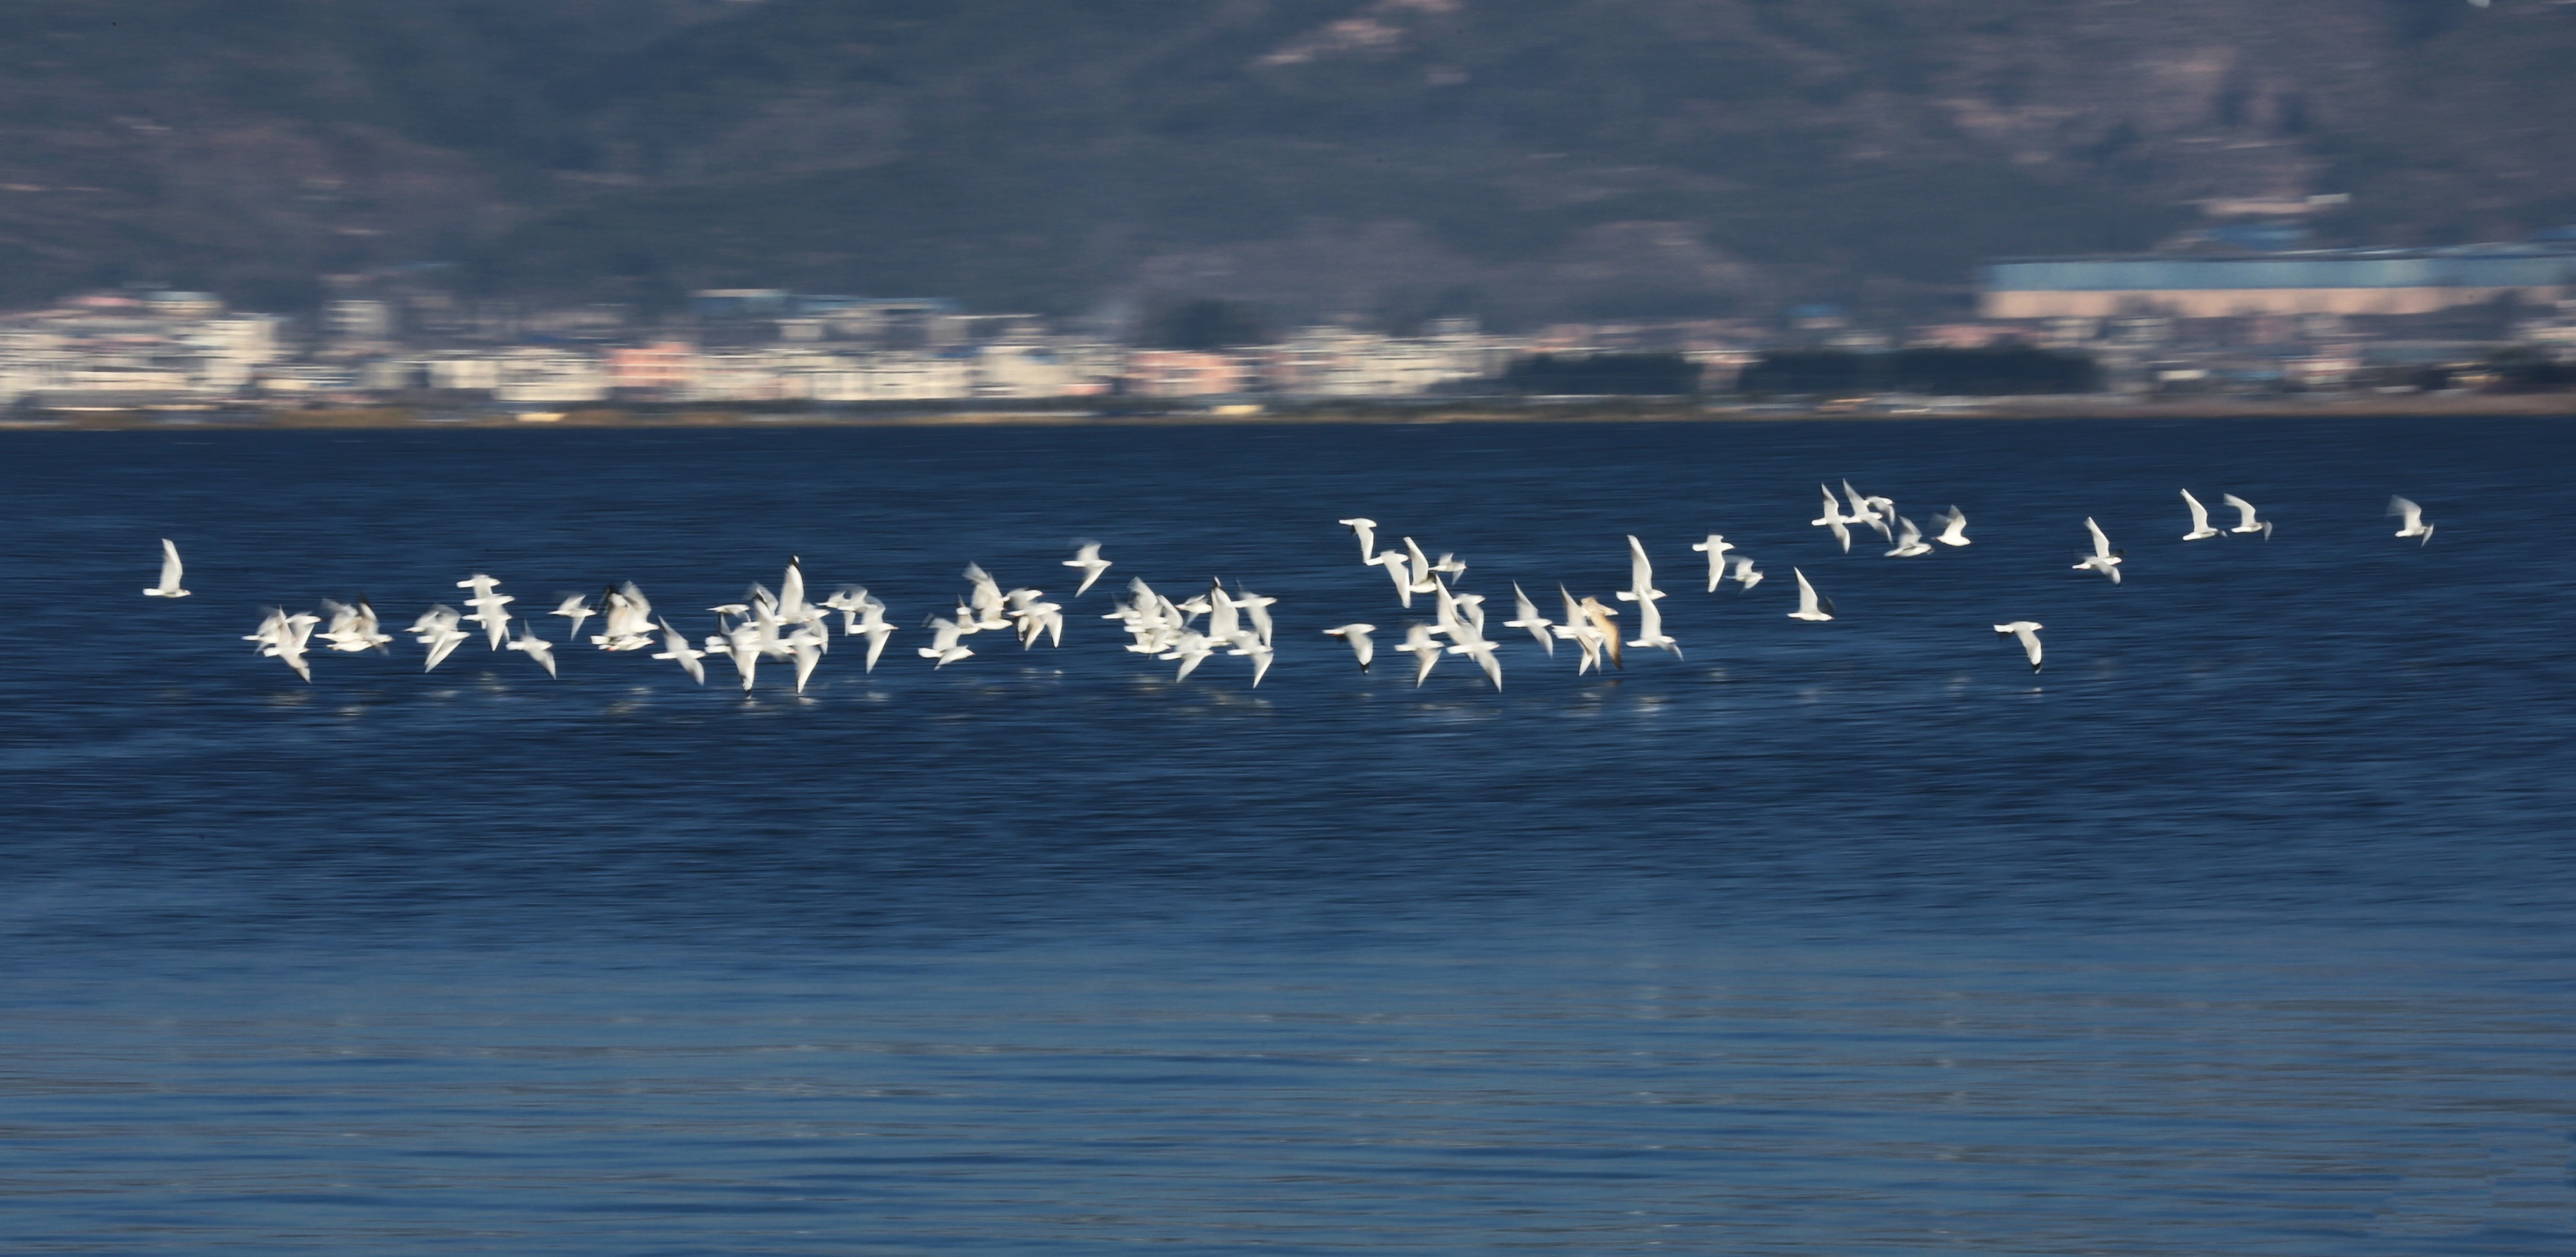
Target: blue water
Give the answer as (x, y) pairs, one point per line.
(2244, 927)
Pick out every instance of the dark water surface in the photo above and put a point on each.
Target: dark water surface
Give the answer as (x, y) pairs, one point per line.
(2243, 928)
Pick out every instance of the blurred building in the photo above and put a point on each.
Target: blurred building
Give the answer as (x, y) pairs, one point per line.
(2325, 281)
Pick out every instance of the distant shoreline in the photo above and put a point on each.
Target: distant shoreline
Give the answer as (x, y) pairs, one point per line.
(418, 418)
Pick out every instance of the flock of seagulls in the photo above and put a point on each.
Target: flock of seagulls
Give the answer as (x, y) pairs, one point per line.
(793, 629)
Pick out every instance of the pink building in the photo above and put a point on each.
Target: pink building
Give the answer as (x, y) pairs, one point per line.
(668, 366)
(1179, 373)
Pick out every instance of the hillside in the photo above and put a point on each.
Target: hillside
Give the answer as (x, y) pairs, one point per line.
(1521, 160)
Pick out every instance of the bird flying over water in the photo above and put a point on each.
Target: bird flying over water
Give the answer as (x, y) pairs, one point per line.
(1087, 557)
(1954, 528)
(1812, 606)
(1715, 548)
(1367, 530)
(2245, 521)
(2028, 632)
(170, 570)
(1358, 637)
(2104, 559)
(2200, 529)
(2413, 524)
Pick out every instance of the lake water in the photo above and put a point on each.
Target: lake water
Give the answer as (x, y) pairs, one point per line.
(2245, 927)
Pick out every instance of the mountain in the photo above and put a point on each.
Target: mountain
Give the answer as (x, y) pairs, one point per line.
(1521, 160)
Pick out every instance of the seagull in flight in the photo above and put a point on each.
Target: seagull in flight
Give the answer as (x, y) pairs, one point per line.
(1954, 528)
(1367, 530)
(1087, 557)
(2414, 525)
(436, 629)
(2028, 632)
(1715, 548)
(1426, 652)
(1812, 606)
(675, 646)
(575, 608)
(534, 647)
(2104, 559)
(1525, 616)
(1909, 541)
(1746, 575)
(2200, 529)
(2245, 521)
(489, 606)
(1833, 518)
(170, 569)
(1358, 636)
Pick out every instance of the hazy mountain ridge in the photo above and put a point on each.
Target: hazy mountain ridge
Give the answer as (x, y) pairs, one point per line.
(1520, 159)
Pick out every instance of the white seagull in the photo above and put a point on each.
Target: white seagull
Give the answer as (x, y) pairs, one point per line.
(2245, 521)
(2104, 559)
(1426, 652)
(436, 629)
(2200, 529)
(576, 608)
(1746, 575)
(1833, 519)
(1087, 557)
(1811, 606)
(1525, 616)
(1358, 636)
(2413, 521)
(675, 646)
(489, 607)
(1954, 528)
(1367, 530)
(2028, 632)
(534, 647)
(1909, 541)
(1715, 548)
(169, 586)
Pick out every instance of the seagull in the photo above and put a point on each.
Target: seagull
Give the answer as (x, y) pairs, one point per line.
(1598, 616)
(1426, 652)
(944, 645)
(1715, 548)
(2104, 559)
(1811, 606)
(791, 591)
(577, 609)
(1087, 557)
(1578, 628)
(1421, 574)
(1450, 564)
(1641, 575)
(1367, 530)
(1833, 519)
(1394, 563)
(1909, 541)
(436, 629)
(1192, 649)
(488, 604)
(2245, 521)
(169, 586)
(1873, 511)
(872, 624)
(1746, 575)
(1482, 651)
(353, 629)
(2200, 529)
(1954, 529)
(2414, 519)
(2028, 632)
(807, 644)
(534, 647)
(674, 646)
(1358, 636)
(1650, 631)
(1525, 616)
